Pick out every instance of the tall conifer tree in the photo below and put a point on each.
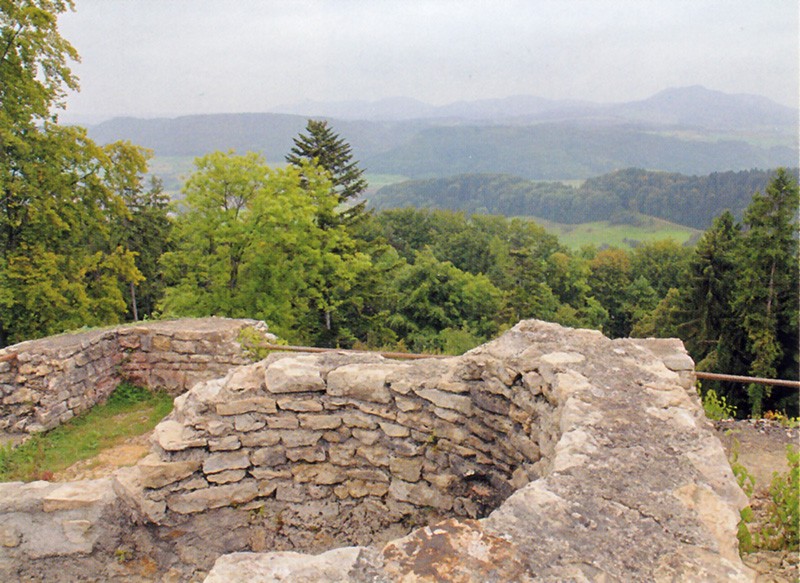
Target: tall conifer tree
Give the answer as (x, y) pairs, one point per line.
(326, 148)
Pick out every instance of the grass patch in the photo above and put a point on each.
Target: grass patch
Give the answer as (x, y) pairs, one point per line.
(129, 411)
(603, 233)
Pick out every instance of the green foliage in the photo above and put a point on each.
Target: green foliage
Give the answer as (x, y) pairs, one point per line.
(129, 411)
(717, 408)
(782, 529)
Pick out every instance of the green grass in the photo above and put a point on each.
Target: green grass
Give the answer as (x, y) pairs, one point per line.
(129, 411)
(602, 233)
(377, 181)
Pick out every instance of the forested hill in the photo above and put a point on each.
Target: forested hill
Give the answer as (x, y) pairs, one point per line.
(687, 200)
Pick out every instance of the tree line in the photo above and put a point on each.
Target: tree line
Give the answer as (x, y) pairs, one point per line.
(85, 240)
(619, 196)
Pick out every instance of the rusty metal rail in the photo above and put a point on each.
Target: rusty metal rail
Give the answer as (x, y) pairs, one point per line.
(713, 376)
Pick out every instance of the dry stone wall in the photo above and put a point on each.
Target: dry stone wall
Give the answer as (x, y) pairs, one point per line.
(350, 449)
(548, 454)
(46, 382)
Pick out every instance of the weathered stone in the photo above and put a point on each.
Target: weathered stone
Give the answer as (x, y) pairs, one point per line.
(302, 405)
(300, 437)
(214, 497)
(156, 473)
(376, 455)
(453, 551)
(229, 443)
(332, 567)
(172, 435)
(306, 454)
(262, 473)
(283, 422)
(393, 430)
(407, 469)
(260, 438)
(447, 400)
(317, 422)
(268, 456)
(72, 496)
(227, 476)
(367, 437)
(219, 462)
(248, 422)
(325, 474)
(358, 419)
(363, 382)
(253, 404)
(293, 375)
(420, 494)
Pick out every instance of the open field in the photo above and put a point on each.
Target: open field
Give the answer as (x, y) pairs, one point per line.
(603, 233)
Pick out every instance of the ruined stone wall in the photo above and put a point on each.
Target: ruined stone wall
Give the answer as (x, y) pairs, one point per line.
(548, 454)
(339, 448)
(46, 382)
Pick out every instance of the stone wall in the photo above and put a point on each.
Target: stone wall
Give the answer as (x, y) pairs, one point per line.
(338, 449)
(46, 382)
(548, 454)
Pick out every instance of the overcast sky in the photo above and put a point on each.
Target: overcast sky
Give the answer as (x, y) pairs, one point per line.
(174, 57)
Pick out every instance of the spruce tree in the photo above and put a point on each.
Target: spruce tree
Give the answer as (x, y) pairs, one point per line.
(327, 149)
(766, 296)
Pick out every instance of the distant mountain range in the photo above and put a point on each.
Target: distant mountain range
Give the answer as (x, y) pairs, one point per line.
(691, 130)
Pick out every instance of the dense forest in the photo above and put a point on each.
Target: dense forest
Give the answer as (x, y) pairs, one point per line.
(619, 196)
(86, 241)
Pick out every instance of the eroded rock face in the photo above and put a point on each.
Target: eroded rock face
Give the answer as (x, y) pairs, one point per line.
(549, 454)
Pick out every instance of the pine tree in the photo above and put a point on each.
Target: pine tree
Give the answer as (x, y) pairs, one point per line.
(766, 297)
(327, 149)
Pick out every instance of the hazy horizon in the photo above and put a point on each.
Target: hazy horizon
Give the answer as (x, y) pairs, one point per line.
(147, 58)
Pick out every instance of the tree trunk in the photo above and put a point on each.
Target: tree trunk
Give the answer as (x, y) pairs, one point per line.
(133, 303)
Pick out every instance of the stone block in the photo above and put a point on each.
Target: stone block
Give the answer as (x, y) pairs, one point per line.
(359, 419)
(420, 494)
(283, 422)
(268, 456)
(319, 422)
(227, 476)
(393, 430)
(367, 437)
(306, 454)
(260, 438)
(155, 473)
(171, 435)
(322, 474)
(253, 404)
(452, 401)
(293, 375)
(229, 443)
(366, 382)
(219, 462)
(213, 497)
(300, 437)
(74, 495)
(248, 422)
(407, 469)
(300, 405)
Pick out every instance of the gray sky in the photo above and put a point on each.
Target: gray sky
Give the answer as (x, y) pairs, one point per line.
(173, 57)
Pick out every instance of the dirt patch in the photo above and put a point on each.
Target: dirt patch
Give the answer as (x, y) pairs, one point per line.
(126, 453)
(762, 451)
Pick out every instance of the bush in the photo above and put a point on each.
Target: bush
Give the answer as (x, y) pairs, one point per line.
(717, 408)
